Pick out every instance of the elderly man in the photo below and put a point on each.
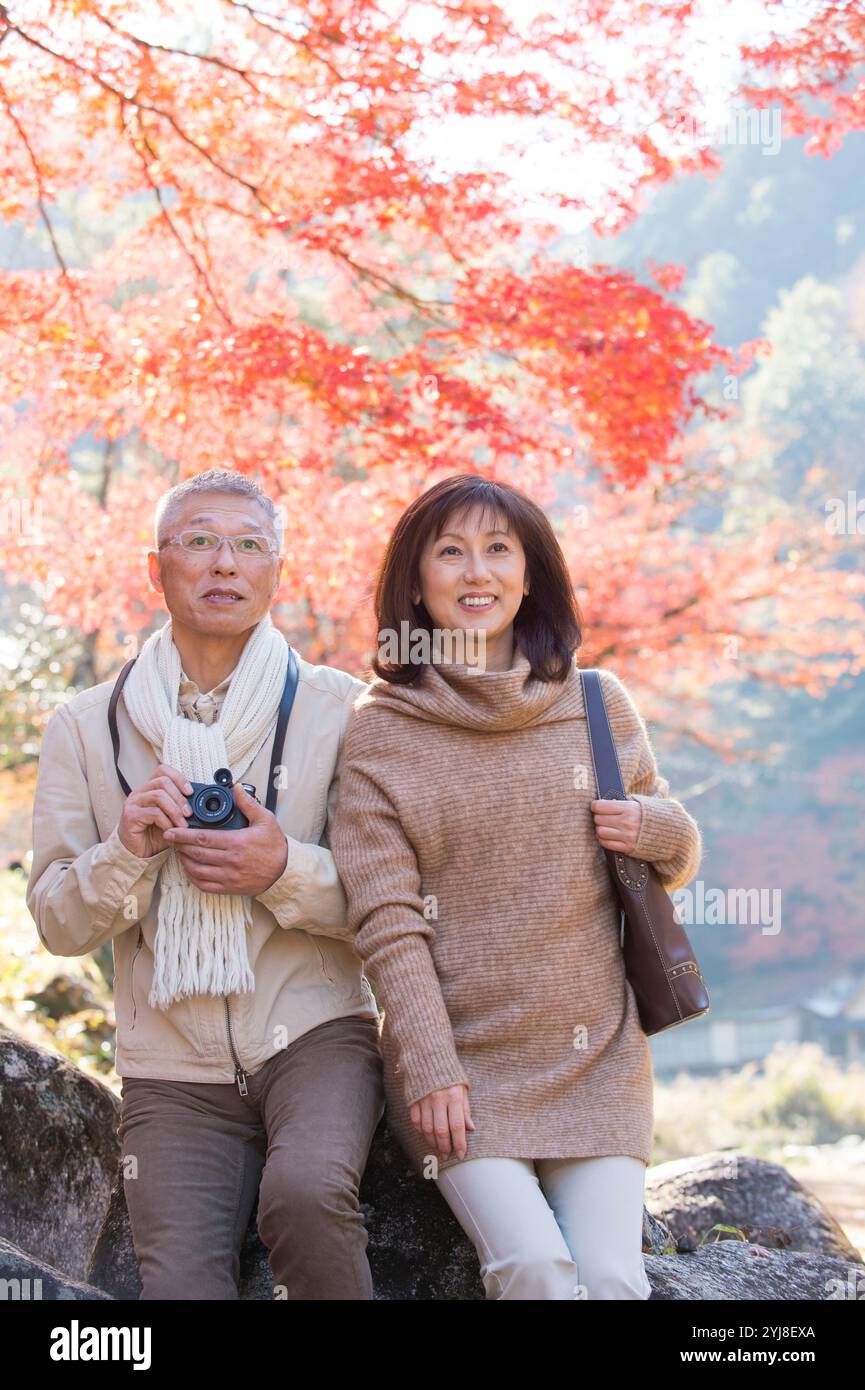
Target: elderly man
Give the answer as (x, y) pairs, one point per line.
(247, 1034)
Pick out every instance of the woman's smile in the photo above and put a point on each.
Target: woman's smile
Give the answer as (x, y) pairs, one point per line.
(477, 603)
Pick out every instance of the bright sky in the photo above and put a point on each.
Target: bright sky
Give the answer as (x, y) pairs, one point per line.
(464, 143)
(712, 62)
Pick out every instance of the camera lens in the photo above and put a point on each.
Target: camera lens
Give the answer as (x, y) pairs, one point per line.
(212, 804)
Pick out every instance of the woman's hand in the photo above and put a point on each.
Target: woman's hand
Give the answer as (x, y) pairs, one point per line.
(443, 1116)
(617, 824)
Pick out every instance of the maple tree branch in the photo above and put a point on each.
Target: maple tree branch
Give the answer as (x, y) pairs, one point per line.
(690, 794)
(443, 236)
(259, 17)
(283, 224)
(40, 189)
(157, 192)
(142, 106)
(184, 53)
(366, 273)
(199, 236)
(389, 328)
(714, 745)
(689, 603)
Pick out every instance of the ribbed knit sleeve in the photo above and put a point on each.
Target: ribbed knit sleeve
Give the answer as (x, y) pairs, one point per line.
(669, 836)
(379, 871)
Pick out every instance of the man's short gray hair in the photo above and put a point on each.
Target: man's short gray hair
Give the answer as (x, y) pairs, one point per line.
(214, 480)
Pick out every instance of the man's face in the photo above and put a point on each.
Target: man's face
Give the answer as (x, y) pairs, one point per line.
(186, 578)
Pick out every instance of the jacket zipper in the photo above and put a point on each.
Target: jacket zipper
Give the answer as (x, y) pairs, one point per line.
(132, 977)
(239, 1073)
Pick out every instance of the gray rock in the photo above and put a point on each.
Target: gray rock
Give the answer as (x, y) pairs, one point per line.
(657, 1236)
(64, 1212)
(735, 1189)
(732, 1270)
(417, 1248)
(26, 1279)
(58, 1154)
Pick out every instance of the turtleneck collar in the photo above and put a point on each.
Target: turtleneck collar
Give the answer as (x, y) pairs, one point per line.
(494, 701)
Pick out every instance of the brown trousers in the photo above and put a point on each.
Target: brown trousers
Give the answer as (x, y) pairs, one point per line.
(300, 1139)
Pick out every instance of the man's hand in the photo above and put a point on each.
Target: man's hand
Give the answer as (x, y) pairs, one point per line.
(617, 824)
(443, 1117)
(152, 809)
(234, 861)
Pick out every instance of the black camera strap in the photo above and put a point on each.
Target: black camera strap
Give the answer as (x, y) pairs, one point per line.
(288, 693)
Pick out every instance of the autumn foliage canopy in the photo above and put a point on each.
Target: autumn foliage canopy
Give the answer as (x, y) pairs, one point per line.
(238, 249)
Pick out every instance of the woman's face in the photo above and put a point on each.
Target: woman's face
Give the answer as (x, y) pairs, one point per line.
(474, 578)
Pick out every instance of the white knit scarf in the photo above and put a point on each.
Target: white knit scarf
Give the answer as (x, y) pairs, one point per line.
(200, 945)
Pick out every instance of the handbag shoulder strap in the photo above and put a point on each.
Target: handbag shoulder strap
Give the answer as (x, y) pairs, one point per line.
(608, 774)
(289, 691)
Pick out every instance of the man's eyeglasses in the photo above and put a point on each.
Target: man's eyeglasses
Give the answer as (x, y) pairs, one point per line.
(252, 547)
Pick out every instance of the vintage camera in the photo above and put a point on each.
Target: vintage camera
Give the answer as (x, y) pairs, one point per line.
(213, 806)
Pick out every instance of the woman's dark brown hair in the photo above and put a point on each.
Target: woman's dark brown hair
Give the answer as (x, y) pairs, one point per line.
(548, 624)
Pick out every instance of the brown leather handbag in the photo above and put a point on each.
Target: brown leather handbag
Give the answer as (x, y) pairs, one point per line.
(659, 960)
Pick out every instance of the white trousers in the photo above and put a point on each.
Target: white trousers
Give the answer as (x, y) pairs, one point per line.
(553, 1228)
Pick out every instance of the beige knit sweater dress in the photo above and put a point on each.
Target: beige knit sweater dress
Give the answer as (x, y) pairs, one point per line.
(484, 910)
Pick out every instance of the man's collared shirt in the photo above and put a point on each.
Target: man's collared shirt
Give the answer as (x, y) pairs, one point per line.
(202, 707)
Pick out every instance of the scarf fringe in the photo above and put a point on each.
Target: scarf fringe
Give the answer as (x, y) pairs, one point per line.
(201, 938)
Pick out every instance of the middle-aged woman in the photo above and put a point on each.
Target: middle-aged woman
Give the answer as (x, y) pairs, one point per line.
(470, 840)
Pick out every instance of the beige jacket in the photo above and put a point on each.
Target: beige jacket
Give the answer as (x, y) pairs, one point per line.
(87, 888)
